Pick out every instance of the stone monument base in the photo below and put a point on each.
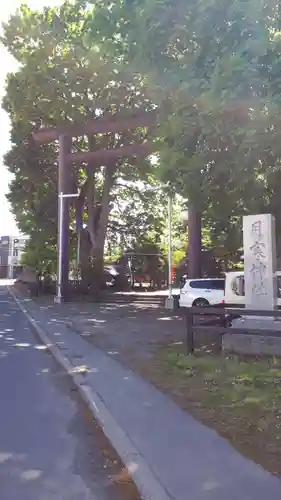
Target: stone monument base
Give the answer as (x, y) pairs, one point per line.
(255, 345)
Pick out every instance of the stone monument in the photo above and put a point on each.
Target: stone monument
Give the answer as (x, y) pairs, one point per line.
(260, 262)
(260, 289)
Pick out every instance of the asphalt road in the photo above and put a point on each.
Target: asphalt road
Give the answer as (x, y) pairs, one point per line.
(49, 448)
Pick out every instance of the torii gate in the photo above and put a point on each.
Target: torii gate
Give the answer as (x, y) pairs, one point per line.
(64, 135)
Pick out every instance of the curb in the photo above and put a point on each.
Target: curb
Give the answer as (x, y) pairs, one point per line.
(149, 487)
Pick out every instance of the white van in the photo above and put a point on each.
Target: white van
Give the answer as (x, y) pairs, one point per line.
(234, 290)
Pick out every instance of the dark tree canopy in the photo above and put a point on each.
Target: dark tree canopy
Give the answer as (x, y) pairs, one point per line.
(210, 70)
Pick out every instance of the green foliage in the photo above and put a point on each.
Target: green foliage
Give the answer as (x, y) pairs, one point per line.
(138, 213)
(59, 79)
(40, 257)
(212, 68)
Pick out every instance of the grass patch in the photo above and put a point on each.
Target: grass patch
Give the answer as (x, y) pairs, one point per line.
(239, 397)
(231, 381)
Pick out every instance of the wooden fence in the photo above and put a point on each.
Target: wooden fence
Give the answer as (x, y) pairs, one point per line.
(218, 320)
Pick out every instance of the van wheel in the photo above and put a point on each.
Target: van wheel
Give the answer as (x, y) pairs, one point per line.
(200, 303)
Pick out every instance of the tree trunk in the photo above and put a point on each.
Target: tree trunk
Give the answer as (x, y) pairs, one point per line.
(98, 227)
(93, 238)
(85, 258)
(84, 240)
(194, 242)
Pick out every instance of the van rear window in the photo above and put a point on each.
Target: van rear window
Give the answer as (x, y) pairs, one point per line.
(238, 286)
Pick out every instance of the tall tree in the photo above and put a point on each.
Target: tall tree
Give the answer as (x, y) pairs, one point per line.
(212, 68)
(58, 80)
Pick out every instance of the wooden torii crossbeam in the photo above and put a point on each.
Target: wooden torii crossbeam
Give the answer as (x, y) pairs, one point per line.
(95, 126)
(64, 134)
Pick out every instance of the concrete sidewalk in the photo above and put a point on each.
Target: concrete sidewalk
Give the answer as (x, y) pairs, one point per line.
(169, 454)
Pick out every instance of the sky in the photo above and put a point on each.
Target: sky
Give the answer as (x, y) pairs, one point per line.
(7, 8)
